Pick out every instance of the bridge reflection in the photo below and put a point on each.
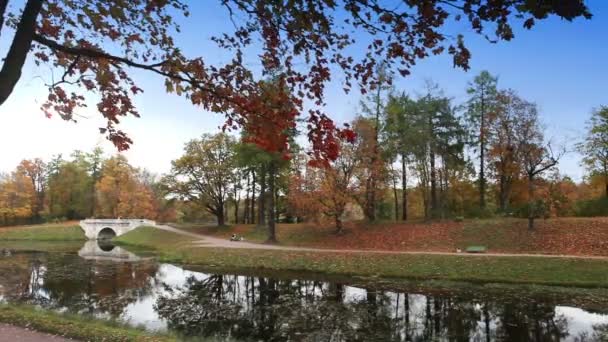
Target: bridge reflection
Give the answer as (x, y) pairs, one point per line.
(106, 250)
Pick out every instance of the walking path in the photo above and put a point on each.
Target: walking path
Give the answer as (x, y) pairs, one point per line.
(9, 333)
(213, 242)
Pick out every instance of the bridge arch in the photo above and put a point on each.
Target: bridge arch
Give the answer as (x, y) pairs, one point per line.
(96, 229)
(106, 233)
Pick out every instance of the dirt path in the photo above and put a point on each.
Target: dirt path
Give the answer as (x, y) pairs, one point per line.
(9, 333)
(213, 242)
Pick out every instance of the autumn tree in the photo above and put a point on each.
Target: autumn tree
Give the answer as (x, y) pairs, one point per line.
(122, 191)
(35, 171)
(594, 148)
(17, 195)
(482, 98)
(373, 107)
(205, 173)
(327, 189)
(114, 186)
(371, 174)
(533, 152)
(97, 45)
(502, 143)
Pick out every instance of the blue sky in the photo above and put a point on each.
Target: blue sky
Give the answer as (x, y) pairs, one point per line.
(561, 66)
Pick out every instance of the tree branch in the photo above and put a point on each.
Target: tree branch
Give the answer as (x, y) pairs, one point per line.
(20, 47)
(3, 5)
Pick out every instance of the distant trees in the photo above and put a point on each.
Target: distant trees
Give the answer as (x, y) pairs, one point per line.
(86, 185)
(594, 147)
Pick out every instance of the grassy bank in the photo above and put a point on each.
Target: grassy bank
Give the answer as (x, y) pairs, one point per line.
(44, 232)
(518, 270)
(71, 326)
(569, 236)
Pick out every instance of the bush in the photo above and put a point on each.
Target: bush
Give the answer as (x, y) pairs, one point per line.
(594, 207)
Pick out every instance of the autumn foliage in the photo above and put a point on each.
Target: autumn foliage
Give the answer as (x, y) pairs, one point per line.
(94, 45)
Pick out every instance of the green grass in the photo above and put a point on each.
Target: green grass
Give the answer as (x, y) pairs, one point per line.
(486, 269)
(151, 237)
(76, 327)
(46, 232)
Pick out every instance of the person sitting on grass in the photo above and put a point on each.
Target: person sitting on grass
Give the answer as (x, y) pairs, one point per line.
(235, 237)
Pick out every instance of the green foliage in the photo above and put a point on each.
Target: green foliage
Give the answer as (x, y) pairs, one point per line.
(592, 207)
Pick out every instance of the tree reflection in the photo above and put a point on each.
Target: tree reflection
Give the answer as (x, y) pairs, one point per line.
(63, 280)
(226, 306)
(260, 308)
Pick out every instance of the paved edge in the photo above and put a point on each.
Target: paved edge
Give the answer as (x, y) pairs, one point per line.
(11, 333)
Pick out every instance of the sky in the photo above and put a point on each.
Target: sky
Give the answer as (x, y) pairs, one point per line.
(560, 65)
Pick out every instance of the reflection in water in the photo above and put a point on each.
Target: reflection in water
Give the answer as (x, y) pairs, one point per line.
(232, 307)
(106, 250)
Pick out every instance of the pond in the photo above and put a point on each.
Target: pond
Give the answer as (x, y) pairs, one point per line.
(112, 283)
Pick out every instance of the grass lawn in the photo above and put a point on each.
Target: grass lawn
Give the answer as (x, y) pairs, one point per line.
(570, 236)
(523, 270)
(71, 326)
(44, 232)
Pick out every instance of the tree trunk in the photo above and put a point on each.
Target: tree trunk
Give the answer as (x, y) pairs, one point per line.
(404, 189)
(395, 195)
(482, 147)
(433, 185)
(277, 214)
(221, 220)
(338, 223)
(530, 202)
(272, 238)
(501, 195)
(246, 209)
(19, 49)
(253, 180)
(606, 179)
(262, 197)
(236, 208)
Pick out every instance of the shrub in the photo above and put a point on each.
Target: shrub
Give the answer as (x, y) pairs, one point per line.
(594, 207)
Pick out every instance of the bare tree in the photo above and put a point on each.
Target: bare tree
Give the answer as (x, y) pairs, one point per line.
(535, 154)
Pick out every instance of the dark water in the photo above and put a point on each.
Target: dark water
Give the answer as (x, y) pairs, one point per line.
(232, 307)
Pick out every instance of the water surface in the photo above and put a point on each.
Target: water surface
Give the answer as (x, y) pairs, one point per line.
(110, 282)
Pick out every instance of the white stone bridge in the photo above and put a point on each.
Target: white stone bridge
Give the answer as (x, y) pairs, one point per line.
(103, 229)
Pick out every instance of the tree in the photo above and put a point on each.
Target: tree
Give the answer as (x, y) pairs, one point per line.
(16, 198)
(438, 148)
(482, 94)
(69, 191)
(371, 173)
(35, 170)
(595, 146)
(534, 154)
(401, 138)
(502, 143)
(327, 189)
(123, 191)
(205, 173)
(373, 108)
(95, 44)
